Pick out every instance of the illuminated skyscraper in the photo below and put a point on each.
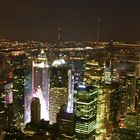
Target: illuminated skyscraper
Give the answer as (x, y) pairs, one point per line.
(94, 76)
(138, 109)
(18, 91)
(93, 73)
(61, 88)
(85, 108)
(131, 91)
(6, 90)
(138, 100)
(40, 87)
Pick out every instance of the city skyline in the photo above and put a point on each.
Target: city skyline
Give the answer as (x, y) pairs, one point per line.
(40, 19)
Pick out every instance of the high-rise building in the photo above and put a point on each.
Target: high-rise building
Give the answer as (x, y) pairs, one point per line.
(2, 112)
(6, 90)
(11, 115)
(94, 76)
(131, 91)
(40, 87)
(93, 73)
(85, 108)
(65, 124)
(78, 68)
(138, 108)
(35, 110)
(18, 92)
(61, 88)
(115, 101)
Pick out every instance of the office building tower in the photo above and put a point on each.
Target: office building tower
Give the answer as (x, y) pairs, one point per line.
(6, 90)
(103, 103)
(27, 95)
(61, 88)
(18, 92)
(35, 110)
(123, 134)
(101, 115)
(85, 108)
(40, 87)
(65, 124)
(77, 64)
(93, 73)
(2, 114)
(11, 115)
(94, 76)
(115, 101)
(138, 70)
(138, 108)
(131, 91)
(123, 99)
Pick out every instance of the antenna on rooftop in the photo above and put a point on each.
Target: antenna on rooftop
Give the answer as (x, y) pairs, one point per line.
(59, 34)
(98, 30)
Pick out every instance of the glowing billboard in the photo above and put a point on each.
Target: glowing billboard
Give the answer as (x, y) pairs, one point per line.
(8, 89)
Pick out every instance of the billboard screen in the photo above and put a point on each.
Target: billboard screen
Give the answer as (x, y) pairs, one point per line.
(8, 89)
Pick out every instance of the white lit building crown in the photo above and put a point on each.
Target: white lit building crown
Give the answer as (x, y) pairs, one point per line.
(58, 62)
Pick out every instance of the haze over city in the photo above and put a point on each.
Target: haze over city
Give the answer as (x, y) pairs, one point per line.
(40, 19)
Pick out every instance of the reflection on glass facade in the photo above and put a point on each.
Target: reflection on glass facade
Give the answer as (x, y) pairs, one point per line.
(28, 96)
(40, 87)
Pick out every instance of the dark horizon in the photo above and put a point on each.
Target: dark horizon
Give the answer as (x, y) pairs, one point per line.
(40, 19)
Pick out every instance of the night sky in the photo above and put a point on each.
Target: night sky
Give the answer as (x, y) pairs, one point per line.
(39, 19)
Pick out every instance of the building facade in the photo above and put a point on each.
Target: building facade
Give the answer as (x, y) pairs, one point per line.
(85, 108)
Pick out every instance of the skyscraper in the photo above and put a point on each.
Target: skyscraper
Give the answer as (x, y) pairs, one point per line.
(35, 110)
(61, 88)
(40, 87)
(138, 109)
(12, 118)
(65, 124)
(85, 108)
(6, 90)
(18, 92)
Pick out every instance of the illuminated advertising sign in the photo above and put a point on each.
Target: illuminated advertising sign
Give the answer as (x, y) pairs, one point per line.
(8, 89)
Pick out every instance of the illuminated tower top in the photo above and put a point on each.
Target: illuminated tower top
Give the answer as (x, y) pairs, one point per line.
(42, 56)
(41, 61)
(58, 62)
(61, 88)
